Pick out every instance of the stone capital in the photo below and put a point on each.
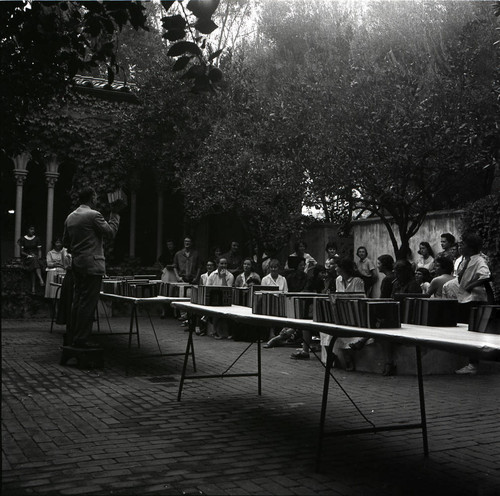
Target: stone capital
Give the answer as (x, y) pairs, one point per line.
(52, 166)
(21, 161)
(20, 176)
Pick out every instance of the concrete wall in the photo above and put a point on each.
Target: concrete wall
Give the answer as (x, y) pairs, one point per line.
(318, 235)
(373, 234)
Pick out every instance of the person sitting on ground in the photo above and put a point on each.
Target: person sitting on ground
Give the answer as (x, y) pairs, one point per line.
(447, 241)
(221, 277)
(274, 278)
(366, 269)
(423, 278)
(473, 277)
(234, 259)
(444, 268)
(248, 277)
(58, 260)
(385, 265)
(426, 257)
(31, 252)
(315, 285)
(296, 281)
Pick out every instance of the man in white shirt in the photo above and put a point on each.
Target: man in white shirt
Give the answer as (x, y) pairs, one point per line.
(221, 276)
(472, 277)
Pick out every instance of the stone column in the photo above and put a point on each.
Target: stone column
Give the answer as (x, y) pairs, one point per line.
(133, 220)
(20, 173)
(159, 225)
(51, 176)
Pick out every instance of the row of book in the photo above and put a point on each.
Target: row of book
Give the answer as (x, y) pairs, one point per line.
(430, 311)
(176, 289)
(212, 295)
(485, 318)
(137, 288)
(354, 309)
(290, 305)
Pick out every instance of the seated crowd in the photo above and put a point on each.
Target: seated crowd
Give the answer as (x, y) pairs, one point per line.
(460, 271)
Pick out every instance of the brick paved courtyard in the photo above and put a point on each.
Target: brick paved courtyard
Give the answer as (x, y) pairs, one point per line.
(69, 431)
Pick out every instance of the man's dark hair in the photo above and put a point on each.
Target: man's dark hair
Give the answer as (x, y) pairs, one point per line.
(86, 195)
(386, 262)
(331, 244)
(293, 262)
(348, 266)
(445, 263)
(449, 237)
(473, 241)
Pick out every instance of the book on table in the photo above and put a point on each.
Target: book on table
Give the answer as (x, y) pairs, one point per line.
(485, 318)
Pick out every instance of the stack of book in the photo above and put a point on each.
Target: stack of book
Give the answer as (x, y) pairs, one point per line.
(241, 297)
(485, 318)
(267, 303)
(58, 278)
(139, 288)
(431, 312)
(176, 289)
(290, 305)
(354, 309)
(220, 296)
(300, 305)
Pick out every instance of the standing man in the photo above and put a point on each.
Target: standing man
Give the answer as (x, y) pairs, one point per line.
(186, 263)
(84, 230)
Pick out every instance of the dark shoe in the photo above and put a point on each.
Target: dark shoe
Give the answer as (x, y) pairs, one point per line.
(389, 369)
(86, 345)
(300, 355)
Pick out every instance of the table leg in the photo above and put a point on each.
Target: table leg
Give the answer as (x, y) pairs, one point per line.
(259, 367)
(133, 318)
(189, 347)
(422, 400)
(324, 401)
(137, 326)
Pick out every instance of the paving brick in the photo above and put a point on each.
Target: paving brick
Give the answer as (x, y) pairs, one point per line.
(63, 428)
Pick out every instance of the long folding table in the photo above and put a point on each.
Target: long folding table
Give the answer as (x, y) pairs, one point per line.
(452, 339)
(134, 328)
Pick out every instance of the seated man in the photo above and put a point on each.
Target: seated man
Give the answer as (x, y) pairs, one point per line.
(221, 277)
(443, 267)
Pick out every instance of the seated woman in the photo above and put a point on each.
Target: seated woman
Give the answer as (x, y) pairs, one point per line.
(58, 260)
(348, 281)
(426, 257)
(31, 252)
(315, 285)
(385, 265)
(248, 277)
(274, 278)
(366, 269)
(404, 283)
(423, 278)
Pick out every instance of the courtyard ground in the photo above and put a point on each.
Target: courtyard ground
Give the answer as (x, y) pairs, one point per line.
(69, 431)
